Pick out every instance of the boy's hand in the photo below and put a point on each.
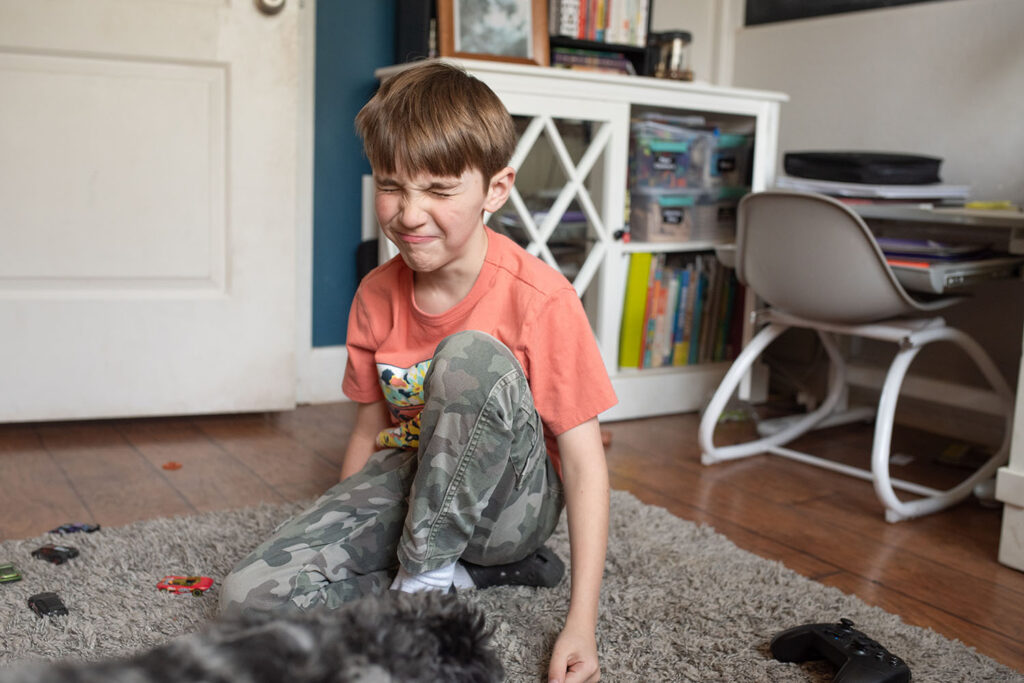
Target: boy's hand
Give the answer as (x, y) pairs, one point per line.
(574, 658)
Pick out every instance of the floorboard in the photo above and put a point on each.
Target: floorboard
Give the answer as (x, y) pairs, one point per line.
(939, 571)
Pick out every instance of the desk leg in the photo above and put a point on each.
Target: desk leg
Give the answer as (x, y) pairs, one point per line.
(1010, 489)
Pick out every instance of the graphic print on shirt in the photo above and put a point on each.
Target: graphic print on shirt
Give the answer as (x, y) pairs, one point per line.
(403, 390)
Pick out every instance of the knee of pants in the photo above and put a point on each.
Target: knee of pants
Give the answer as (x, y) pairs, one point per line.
(476, 344)
(240, 594)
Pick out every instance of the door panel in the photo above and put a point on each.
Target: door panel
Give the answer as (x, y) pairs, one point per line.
(147, 207)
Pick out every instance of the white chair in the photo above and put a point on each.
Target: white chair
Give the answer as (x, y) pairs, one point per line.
(817, 266)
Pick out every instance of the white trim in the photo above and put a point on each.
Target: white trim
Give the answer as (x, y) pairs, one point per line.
(325, 368)
(305, 375)
(933, 390)
(727, 21)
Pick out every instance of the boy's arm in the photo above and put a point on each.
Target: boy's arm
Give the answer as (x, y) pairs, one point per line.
(585, 477)
(371, 418)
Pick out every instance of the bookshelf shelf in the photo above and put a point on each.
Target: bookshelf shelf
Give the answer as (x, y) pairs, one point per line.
(573, 159)
(670, 247)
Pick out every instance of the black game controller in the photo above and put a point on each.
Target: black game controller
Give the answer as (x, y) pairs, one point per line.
(860, 659)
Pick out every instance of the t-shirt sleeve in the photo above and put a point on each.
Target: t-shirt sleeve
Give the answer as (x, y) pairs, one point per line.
(361, 383)
(568, 378)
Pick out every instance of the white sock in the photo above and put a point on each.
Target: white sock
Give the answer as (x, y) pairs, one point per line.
(462, 580)
(439, 579)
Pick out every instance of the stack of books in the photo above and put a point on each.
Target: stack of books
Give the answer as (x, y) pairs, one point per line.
(680, 309)
(622, 22)
(591, 60)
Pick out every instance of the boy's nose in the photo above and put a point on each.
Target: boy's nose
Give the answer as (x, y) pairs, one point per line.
(411, 212)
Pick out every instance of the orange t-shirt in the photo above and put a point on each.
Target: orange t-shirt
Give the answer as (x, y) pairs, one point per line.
(518, 299)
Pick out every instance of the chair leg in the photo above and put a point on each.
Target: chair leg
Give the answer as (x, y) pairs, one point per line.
(896, 509)
(839, 413)
(712, 454)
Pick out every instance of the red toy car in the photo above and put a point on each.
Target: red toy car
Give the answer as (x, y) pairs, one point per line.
(197, 585)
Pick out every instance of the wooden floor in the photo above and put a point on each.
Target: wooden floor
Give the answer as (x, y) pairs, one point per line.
(939, 571)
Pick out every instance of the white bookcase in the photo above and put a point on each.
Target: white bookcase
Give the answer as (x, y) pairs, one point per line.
(574, 153)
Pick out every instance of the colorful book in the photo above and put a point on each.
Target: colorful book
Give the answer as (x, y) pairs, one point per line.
(679, 324)
(698, 310)
(655, 306)
(634, 308)
(693, 275)
(666, 326)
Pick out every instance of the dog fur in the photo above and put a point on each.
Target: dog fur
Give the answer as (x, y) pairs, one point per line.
(395, 638)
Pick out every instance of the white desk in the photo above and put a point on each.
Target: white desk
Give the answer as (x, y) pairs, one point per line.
(1005, 231)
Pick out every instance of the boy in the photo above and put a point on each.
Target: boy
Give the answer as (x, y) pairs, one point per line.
(479, 385)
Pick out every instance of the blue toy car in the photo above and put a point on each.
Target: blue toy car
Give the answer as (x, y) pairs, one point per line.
(75, 527)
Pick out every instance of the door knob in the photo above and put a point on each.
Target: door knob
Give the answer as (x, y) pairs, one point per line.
(269, 6)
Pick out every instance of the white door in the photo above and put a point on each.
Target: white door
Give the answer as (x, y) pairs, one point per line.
(147, 207)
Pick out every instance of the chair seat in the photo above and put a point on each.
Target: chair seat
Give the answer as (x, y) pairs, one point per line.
(891, 330)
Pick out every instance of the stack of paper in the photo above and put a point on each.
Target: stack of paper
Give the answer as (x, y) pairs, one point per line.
(930, 191)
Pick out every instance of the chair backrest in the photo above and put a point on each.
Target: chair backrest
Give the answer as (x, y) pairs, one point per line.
(811, 256)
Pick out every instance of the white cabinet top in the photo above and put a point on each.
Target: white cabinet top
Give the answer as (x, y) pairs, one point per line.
(609, 87)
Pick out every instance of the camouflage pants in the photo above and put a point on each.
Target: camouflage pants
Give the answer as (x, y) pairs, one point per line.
(480, 487)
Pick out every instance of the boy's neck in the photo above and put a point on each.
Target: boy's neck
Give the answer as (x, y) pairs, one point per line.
(438, 291)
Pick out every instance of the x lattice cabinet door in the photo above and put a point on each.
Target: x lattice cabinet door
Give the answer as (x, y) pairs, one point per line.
(566, 206)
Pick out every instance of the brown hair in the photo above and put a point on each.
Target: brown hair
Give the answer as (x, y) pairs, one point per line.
(436, 118)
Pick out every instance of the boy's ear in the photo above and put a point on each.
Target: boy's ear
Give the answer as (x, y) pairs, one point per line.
(499, 189)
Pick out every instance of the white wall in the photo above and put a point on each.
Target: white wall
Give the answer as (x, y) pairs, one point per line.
(938, 78)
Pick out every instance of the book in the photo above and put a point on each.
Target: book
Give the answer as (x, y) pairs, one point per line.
(720, 351)
(655, 307)
(679, 325)
(591, 60)
(667, 326)
(633, 310)
(709, 318)
(693, 277)
(700, 295)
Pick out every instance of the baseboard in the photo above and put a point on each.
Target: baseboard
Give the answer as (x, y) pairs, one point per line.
(937, 391)
(939, 407)
(321, 374)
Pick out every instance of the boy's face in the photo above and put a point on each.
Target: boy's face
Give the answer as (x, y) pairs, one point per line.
(437, 221)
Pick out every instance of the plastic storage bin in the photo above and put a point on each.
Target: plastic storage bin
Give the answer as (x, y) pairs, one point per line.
(672, 215)
(670, 153)
(727, 200)
(731, 160)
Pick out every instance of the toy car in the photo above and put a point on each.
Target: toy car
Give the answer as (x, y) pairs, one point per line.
(8, 572)
(47, 604)
(58, 554)
(75, 527)
(197, 585)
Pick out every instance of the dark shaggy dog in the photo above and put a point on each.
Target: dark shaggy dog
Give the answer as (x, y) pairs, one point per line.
(396, 638)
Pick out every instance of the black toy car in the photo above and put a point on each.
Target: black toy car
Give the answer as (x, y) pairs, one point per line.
(47, 604)
(57, 554)
(75, 527)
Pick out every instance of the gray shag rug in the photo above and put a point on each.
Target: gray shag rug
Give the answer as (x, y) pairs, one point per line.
(680, 601)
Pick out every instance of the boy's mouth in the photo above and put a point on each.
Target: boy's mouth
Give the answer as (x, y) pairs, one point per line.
(415, 239)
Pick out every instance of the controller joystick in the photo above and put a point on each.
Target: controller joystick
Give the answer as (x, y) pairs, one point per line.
(859, 658)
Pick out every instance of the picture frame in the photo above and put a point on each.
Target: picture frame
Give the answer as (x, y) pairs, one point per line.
(500, 30)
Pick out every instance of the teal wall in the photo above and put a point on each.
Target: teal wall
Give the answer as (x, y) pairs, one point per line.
(353, 37)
